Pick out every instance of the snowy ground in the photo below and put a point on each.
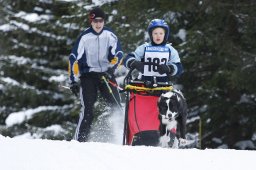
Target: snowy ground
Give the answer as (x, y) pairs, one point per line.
(21, 153)
(38, 154)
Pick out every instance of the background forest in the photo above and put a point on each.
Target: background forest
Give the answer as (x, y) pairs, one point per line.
(215, 39)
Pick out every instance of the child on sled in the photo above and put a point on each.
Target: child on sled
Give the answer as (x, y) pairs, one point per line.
(143, 115)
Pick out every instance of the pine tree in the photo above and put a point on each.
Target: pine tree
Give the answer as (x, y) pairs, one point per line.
(220, 71)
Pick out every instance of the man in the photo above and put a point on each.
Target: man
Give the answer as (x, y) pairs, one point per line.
(97, 53)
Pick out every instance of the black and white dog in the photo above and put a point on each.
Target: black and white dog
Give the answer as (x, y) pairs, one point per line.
(173, 116)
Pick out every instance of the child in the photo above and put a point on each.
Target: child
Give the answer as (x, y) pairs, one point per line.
(158, 52)
(143, 122)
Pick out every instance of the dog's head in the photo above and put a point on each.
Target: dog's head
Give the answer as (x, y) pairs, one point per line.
(168, 106)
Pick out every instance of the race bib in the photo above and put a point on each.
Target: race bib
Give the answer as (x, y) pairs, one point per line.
(158, 55)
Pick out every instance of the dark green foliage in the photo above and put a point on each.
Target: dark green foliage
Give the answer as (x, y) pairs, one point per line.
(218, 72)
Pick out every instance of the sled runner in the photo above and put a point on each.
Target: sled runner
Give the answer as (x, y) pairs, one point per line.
(142, 123)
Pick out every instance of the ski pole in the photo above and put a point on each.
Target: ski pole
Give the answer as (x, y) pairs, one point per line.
(115, 85)
(111, 92)
(125, 130)
(200, 133)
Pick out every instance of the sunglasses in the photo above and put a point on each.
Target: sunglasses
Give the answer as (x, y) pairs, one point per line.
(98, 20)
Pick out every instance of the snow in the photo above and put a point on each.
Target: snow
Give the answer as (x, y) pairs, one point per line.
(9, 80)
(6, 27)
(245, 144)
(59, 78)
(182, 34)
(96, 2)
(101, 2)
(19, 117)
(32, 17)
(55, 128)
(30, 154)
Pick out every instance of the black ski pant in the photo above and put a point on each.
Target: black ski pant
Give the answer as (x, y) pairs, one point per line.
(91, 84)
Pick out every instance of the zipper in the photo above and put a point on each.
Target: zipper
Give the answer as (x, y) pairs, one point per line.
(99, 53)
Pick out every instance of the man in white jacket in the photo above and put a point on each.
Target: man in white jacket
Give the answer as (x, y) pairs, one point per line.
(97, 53)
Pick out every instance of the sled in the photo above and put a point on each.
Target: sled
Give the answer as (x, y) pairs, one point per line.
(142, 123)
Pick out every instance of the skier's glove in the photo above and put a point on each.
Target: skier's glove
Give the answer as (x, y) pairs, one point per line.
(137, 65)
(112, 58)
(74, 87)
(110, 72)
(168, 69)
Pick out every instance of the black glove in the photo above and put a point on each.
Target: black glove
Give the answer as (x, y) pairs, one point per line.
(74, 87)
(110, 72)
(168, 69)
(137, 65)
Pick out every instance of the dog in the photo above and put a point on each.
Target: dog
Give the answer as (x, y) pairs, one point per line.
(172, 108)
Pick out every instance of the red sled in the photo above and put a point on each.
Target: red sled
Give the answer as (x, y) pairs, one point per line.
(142, 123)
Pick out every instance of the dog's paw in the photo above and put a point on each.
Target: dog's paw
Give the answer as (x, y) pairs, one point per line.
(182, 141)
(175, 144)
(164, 141)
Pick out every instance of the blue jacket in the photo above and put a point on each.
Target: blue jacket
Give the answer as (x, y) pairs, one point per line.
(93, 51)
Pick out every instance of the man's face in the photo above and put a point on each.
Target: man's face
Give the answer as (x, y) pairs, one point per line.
(97, 24)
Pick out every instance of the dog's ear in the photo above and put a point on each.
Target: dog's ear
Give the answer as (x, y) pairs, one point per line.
(161, 104)
(177, 101)
(161, 99)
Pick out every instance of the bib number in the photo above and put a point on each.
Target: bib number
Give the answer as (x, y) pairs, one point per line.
(156, 56)
(157, 61)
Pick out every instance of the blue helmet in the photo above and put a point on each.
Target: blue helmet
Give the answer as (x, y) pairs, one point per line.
(158, 23)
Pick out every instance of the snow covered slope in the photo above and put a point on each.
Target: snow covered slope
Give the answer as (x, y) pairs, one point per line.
(38, 154)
